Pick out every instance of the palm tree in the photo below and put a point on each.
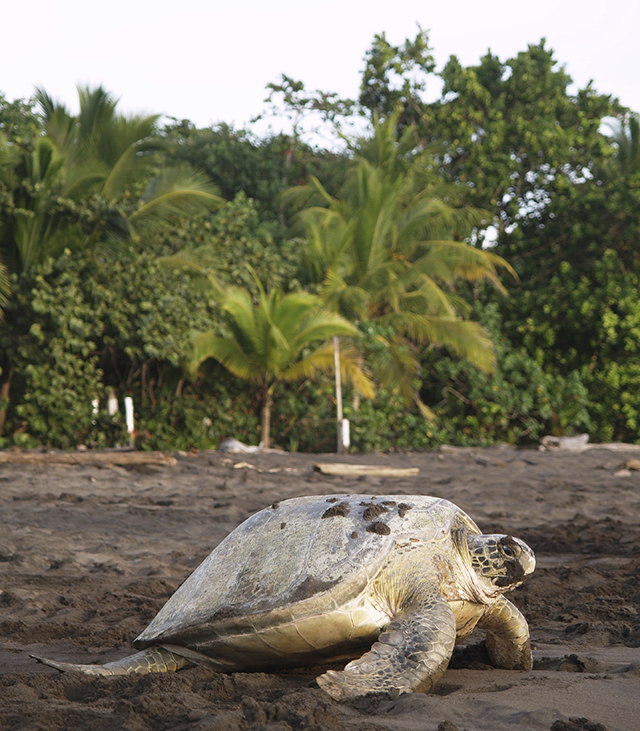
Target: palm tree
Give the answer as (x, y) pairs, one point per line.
(119, 158)
(387, 250)
(90, 179)
(265, 343)
(95, 179)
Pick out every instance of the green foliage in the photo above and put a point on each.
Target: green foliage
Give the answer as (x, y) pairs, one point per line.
(518, 404)
(225, 241)
(304, 419)
(564, 199)
(47, 334)
(395, 76)
(200, 416)
(237, 161)
(626, 135)
(507, 137)
(528, 151)
(590, 323)
(77, 325)
(290, 100)
(386, 424)
(19, 120)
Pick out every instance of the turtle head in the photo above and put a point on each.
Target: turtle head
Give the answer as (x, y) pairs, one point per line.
(500, 562)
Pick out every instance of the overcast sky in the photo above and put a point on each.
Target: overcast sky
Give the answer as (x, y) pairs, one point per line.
(210, 61)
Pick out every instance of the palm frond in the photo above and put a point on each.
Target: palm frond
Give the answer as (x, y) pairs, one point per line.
(466, 338)
(426, 412)
(467, 262)
(338, 296)
(237, 302)
(396, 365)
(82, 180)
(175, 193)
(311, 194)
(137, 132)
(355, 371)
(320, 325)
(123, 173)
(328, 239)
(323, 360)
(226, 351)
(203, 265)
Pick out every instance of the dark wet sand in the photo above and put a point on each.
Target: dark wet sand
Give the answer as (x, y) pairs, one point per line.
(89, 554)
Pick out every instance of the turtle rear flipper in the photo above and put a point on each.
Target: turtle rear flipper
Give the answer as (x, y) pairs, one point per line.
(410, 655)
(151, 660)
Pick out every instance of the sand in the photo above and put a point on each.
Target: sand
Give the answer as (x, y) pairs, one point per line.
(88, 554)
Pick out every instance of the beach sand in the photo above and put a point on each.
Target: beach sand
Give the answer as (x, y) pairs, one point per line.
(89, 554)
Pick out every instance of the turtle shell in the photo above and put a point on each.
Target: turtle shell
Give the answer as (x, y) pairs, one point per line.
(299, 558)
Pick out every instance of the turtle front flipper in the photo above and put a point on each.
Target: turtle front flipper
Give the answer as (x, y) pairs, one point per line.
(410, 655)
(508, 641)
(151, 660)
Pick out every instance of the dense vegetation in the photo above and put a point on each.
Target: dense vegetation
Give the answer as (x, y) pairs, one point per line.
(478, 256)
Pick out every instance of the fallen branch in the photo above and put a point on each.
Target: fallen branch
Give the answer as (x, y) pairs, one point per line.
(337, 468)
(88, 457)
(615, 446)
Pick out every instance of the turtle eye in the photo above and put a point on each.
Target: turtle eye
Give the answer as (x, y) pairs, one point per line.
(509, 548)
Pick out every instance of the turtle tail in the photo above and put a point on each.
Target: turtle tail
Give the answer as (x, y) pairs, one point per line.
(152, 660)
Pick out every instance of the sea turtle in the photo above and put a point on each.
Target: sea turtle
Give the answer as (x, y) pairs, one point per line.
(314, 580)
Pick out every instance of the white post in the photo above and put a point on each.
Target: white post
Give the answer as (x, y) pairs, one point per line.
(112, 403)
(128, 410)
(336, 359)
(346, 437)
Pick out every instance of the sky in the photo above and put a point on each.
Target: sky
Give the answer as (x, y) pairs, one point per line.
(211, 61)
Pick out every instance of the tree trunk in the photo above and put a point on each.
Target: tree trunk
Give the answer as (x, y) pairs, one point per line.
(5, 388)
(265, 419)
(355, 401)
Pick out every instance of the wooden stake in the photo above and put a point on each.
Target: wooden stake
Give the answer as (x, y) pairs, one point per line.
(336, 358)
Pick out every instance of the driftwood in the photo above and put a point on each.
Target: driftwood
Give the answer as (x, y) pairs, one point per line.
(88, 457)
(450, 449)
(632, 464)
(577, 443)
(615, 446)
(358, 470)
(235, 446)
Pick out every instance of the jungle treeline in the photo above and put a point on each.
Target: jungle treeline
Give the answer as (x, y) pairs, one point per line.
(472, 263)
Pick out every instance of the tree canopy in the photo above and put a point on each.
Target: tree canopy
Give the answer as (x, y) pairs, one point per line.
(480, 248)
